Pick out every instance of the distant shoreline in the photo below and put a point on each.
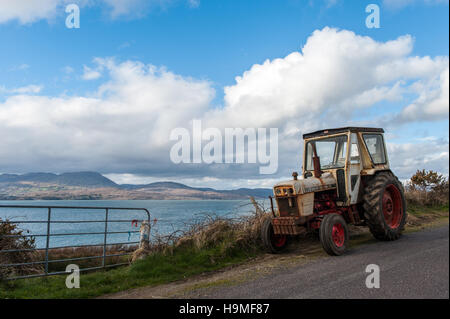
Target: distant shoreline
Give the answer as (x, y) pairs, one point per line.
(111, 199)
(95, 186)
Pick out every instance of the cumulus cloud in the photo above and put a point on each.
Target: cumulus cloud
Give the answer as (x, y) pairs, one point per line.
(124, 127)
(127, 121)
(432, 103)
(430, 154)
(336, 73)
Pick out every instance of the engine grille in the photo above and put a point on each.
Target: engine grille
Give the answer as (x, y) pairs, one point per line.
(285, 209)
(286, 226)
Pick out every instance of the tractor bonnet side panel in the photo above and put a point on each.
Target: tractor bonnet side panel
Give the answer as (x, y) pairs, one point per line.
(306, 204)
(308, 185)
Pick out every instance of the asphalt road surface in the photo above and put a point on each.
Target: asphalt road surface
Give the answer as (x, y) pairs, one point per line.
(415, 266)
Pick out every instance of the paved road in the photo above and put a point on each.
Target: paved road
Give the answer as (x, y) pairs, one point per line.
(415, 266)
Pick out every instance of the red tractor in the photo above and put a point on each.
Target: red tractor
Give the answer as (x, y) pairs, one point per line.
(346, 179)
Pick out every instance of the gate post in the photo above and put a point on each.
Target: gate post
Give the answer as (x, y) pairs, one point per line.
(145, 235)
(47, 244)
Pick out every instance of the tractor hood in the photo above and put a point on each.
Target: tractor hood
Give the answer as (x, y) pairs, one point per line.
(309, 185)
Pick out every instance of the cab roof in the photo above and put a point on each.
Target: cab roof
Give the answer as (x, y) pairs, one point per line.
(342, 130)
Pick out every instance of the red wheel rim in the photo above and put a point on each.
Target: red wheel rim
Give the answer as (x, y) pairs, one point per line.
(338, 235)
(392, 206)
(278, 240)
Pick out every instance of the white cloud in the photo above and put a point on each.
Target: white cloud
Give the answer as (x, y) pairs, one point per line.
(433, 101)
(67, 69)
(29, 89)
(134, 8)
(337, 73)
(127, 121)
(91, 74)
(20, 67)
(407, 158)
(124, 127)
(331, 3)
(27, 11)
(194, 3)
(30, 11)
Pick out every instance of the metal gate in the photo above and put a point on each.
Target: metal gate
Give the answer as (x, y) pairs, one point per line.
(49, 221)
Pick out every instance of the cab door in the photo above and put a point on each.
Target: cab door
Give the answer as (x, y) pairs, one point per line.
(354, 168)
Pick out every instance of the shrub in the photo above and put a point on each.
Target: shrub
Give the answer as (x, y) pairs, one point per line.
(427, 188)
(214, 232)
(8, 243)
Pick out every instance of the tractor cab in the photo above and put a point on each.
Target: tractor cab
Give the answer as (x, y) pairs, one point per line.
(347, 154)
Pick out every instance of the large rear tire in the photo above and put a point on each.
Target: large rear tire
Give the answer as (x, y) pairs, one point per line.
(272, 243)
(385, 206)
(334, 234)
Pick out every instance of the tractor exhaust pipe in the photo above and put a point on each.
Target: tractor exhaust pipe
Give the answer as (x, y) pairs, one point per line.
(316, 162)
(317, 170)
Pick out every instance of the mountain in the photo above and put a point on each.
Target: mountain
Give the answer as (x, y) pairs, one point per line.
(172, 185)
(84, 179)
(93, 185)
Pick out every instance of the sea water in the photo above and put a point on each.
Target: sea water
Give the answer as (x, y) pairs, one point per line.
(171, 216)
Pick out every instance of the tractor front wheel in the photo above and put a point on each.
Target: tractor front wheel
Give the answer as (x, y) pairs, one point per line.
(334, 234)
(272, 243)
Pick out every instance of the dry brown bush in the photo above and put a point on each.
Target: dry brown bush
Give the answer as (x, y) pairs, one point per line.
(209, 231)
(9, 243)
(427, 188)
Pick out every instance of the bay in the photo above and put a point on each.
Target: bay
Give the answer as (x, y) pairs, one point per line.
(171, 215)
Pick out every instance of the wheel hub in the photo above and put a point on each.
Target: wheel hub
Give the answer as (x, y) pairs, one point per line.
(278, 240)
(388, 204)
(338, 235)
(392, 206)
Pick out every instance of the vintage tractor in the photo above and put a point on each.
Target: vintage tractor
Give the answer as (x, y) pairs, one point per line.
(346, 179)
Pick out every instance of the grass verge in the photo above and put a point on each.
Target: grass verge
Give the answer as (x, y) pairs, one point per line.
(153, 270)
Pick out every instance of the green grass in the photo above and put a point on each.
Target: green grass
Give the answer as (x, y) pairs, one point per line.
(419, 211)
(155, 269)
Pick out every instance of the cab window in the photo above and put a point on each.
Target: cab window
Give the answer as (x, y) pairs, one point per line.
(375, 146)
(332, 152)
(354, 151)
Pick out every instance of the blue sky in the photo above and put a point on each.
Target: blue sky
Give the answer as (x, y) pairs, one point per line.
(216, 41)
(212, 42)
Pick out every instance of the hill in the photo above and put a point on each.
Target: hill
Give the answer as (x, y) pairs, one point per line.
(93, 185)
(85, 179)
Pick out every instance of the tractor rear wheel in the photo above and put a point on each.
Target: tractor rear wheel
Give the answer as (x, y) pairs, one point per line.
(384, 206)
(272, 243)
(334, 234)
